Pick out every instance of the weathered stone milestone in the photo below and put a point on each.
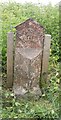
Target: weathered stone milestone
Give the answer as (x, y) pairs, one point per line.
(28, 57)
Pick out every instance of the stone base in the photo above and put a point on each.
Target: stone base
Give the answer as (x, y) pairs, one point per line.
(35, 92)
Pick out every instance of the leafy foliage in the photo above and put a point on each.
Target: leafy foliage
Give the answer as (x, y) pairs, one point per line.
(48, 105)
(13, 14)
(23, 108)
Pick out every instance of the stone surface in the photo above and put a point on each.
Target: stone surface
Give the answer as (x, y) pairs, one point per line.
(28, 56)
(10, 43)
